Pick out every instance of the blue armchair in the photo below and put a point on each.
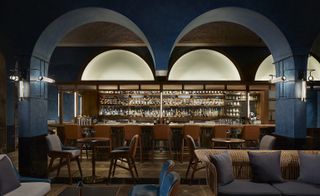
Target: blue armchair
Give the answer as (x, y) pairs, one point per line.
(12, 184)
(168, 183)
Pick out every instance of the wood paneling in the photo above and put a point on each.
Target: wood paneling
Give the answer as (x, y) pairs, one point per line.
(90, 103)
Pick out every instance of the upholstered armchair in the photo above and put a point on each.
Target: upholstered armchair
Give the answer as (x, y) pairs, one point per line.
(12, 184)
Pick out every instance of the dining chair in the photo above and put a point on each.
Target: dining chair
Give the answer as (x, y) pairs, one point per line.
(194, 131)
(162, 132)
(104, 131)
(64, 153)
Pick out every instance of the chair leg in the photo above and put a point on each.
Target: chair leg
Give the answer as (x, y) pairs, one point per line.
(114, 166)
(58, 170)
(110, 168)
(190, 163)
(50, 164)
(79, 166)
(140, 150)
(130, 168)
(194, 171)
(69, 170)
(153, 143)
(135, 168)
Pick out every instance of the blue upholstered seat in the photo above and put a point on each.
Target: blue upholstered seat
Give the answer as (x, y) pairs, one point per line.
(153, 189)
(297, 188)
(247, 188)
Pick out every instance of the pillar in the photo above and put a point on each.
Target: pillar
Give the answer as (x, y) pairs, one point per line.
(290, 109)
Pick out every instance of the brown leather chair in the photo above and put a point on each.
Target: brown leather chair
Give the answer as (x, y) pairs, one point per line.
(220, 131)
(194, 161)
(194, 131)
(104, 131)
(162, 132)
(251, 133)
(65, 154)
(125, 155)
(129, 132)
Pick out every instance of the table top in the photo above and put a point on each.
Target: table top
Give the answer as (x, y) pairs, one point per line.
(228, 140)
(93, 139)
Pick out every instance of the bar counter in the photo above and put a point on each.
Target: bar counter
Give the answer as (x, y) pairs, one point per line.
(207, 130)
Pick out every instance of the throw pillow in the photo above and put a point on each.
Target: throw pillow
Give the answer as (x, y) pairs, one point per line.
(309, 168)
(8, 177)
(223, 164)
(265, 166)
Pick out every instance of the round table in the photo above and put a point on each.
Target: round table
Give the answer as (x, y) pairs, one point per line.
(230, 142)
(93, 141)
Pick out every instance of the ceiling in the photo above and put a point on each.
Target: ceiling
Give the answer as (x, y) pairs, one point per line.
(101, 34)
(211, 34)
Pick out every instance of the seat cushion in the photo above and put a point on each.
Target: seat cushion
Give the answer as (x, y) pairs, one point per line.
(73, 152)
(309, 168)
(9, 180)
(265, 166)
(298, 189)
(31, 189)
(145, 190)
(223, 164)
(247, 188)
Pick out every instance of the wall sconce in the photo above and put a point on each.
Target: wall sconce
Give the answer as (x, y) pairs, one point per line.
(277, 79)
(46, 79)
(303, 90)
(310, 77)
(14, 78)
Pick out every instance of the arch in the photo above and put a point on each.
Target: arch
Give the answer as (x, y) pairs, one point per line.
(204, 64)
(117, 65)
(257, 23)
(267, 67)
(49, 38)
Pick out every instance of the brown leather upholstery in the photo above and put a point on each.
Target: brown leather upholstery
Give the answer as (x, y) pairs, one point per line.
(194, 131)
(129, 132)
(251, 133)
(104, 131)
(220, 131)
(72, 132)
(162, 132)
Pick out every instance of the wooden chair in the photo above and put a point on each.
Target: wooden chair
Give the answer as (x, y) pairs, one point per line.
(221, 131)
(194, 161)
(104, 131)
(125, 155)
(72, 132)
(251, 133)
(194, 131)
(65, 154)
(162, 132)
(129, 132)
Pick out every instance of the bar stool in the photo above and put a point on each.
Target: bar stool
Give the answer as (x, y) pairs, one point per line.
(72, 132)
(104, 131)
(129, 132)
(194, 131)
(251, 133)
(162, 132)
(221, 131)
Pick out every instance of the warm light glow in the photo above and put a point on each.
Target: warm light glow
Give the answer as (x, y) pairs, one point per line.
(46, 79)
(75, 103)
(58, 104)
(202, 65)
(267, 68)
(117, 65)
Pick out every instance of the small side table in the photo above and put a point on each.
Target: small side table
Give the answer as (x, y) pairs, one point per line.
(230, 142)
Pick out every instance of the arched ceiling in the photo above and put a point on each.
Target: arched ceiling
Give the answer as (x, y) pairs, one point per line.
(99, 34)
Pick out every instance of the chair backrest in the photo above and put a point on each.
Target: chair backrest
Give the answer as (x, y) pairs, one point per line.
(267, 142)
(54, 143)
(130, 131)
(251, 132)
(162, 132)
(170, 184)
(166, 167)
(4, 155)
(191, 144)
(72, 132)
(193, 130)
(220, 131)
(102, 131)
(133, 145)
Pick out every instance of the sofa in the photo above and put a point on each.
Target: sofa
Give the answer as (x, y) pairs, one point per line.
(243, 185)
(12, 184)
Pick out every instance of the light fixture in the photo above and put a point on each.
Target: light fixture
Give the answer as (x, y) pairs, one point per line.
(303, 90)
(277, 79)
(14, 78)
(46, 79)
(310, 77)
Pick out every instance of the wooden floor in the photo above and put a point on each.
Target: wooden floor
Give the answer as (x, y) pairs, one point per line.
(148, 172)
